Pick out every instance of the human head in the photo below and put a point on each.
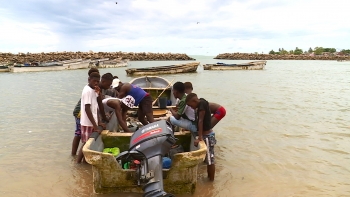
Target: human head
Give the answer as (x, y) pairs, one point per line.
(115, 77)
(93, 70)
(116, 84)
(192, 100)
(178, 89)
(188, 87)
(127, 102)
(106, 81)
(94, 79)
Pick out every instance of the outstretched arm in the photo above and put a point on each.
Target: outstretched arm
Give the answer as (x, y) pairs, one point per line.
(102, 110)
(121, 119)
(200, 127)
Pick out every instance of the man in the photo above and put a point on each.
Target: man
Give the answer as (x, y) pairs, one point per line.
(184, 116)
(142, 99)
(105, 84)
(120, 108)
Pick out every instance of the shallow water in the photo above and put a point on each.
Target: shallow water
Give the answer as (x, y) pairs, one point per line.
(286, 132)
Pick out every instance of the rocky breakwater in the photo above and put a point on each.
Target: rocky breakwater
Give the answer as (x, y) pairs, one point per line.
(253, 56)
(21, 58)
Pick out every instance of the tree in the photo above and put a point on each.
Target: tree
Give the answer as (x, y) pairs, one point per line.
(318, 50)
(310, 50)
(283, 52)
(272, 52)
(279, 49)
(291, 52)
(298, 51)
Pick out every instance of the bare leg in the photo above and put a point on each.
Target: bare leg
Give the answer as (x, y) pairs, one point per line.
(141, 117)
(214, 121)
(211, 172)
(75, 145)
(80, 154)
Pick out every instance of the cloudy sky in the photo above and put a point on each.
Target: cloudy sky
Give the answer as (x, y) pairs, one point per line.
(171, 25)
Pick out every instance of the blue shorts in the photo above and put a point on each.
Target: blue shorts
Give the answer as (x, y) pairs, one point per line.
(77, 127)
(210, 141)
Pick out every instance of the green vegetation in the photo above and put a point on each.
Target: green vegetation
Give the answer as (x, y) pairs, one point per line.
(316, 50)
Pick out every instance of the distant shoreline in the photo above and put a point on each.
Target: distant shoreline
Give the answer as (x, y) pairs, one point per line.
(21, 58)
(252, 56)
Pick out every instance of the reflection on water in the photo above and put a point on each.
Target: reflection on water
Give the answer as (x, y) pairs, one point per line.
(286, 132)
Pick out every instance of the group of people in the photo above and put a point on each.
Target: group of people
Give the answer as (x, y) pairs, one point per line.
(100, 97)
(198, 116)
(106, 94)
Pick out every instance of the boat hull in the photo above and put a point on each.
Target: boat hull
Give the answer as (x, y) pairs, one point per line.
(67, 65)
(180, 68)
(155, 85)
(257, 65)
(109, 177)
(4, 69)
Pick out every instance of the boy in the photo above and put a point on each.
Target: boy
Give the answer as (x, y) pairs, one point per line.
(184, 116)
(76, 114)
(106, 85)
(89, 107)
(188, 87)
(120, 108)
(218, 112)
(205, 133)
(142, 99)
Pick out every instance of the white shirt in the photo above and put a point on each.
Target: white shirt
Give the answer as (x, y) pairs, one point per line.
(89, 96)
(188, 111)
(106, 107)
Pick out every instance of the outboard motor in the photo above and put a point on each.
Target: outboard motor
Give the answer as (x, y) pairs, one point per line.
(148, 145)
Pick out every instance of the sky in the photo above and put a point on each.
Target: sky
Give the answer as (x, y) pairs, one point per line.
(195, 27)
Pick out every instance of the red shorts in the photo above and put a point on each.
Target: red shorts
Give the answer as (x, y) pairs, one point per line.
(220, 113)
(85, 132)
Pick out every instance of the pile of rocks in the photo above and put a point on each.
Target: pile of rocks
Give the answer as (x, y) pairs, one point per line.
(60, 56)
(253, 56)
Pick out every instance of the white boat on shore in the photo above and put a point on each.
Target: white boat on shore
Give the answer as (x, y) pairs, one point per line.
(65, 65)
(256, 65)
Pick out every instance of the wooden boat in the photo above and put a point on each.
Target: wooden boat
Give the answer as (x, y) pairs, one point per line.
(179, 68)
(4, 69)
(106, 63)
(155, 85)
(256, 65)
(35, 67)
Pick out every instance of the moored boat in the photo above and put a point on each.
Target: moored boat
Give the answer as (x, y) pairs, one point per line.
(109, 175)
(35, 67)
(173, 69)
(106, 63)
(4, 69)
(256, 65)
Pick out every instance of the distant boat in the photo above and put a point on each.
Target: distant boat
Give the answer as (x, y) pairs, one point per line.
(65, 65)
(256, 65)
(173, 69)
(4, 69)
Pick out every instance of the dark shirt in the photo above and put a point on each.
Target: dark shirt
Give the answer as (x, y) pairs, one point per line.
(110, 92)
(77, 108)
(204, 105)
